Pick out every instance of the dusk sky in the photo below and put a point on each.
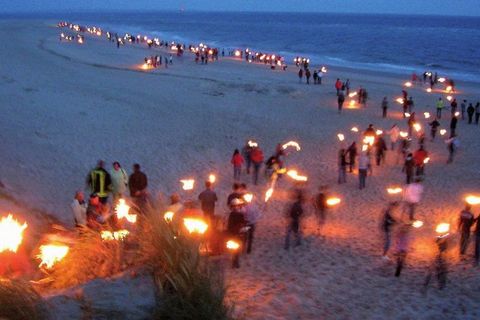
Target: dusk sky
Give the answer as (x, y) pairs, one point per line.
(441, 7)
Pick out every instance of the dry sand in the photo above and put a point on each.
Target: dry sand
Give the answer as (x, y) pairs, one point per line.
(63, 106)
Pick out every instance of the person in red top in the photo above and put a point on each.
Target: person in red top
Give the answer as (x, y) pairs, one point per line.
(237, 161)
(257, 160)
(419, 157)
(338, 86)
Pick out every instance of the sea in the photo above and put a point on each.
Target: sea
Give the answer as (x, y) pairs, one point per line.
(392, 43)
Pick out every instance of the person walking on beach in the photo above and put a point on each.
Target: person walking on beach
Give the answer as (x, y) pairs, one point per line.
(294, 215)
(402, 244)
(412, 196)
(352, 155)
(477, 113)
(342, 166)
(439, 266)
(452, 145)
(440, 106)
(453, 125)
(208, 199)
(363, 163)
(237, 162)
(307, 75)
(257, 159)
(235, 225)
(320, 203)
(340, 100)
(384, 107)
(409, 167)
(99, 181)
(246, 151)
(138, 184)
(410, 104)
(347, 86)
(380, 149)
(300, 75)
(453, 107)
(420, 157)
(434, 127)
(470, 112)
(394, 133)
(338, 86)
(411, 122)
(251, 217)
(119, 181)
(315, 76)
(320, 76)
(387, 224)
(464, 225)
(463, 107)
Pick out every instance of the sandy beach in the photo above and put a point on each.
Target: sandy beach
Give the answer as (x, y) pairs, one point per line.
(64, 106)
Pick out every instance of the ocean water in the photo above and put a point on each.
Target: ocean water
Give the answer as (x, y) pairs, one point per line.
(393, 43)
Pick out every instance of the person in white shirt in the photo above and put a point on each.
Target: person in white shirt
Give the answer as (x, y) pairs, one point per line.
(119, 181)
(412, 196)
(363, 163)
(79, 208)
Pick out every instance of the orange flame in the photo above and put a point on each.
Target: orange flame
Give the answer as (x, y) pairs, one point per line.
(426, 160)
(168, 216)
(212, 178)
(333, 201)
(116, 235)
(443, 228)
(417, 127)
(341, 137)
(51, 254)
(417, 224)
(195, 225)
(294, 144)
(472, 200)
(11, 233)
(295, 176)
(399, 100)
(248, 197)
(426, 115)
(394, 190)
(233, 245)
(443, 131)
(188, 184)
(268, 194)
(354, 129)
(407, 84)
(122, 209)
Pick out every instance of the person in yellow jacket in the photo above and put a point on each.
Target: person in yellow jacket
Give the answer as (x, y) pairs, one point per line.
(440, 106)
(99, 182)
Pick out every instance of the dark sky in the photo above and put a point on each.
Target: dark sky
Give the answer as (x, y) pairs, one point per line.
(426, 7)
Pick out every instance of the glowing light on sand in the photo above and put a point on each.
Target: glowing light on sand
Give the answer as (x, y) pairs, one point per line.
(232, 245)
(237, 53)
(122, 209)
(295, 176)
(364, 147)
(11, 233)
(341, 137)
(442, 228)
(426, 115)
(51, 254)
(403, 134)
(352, 94)
(379, 132)
(268, 194)
(354, 129)
(457, 114)
(293, 144)
(442, 132)
(407, 84)
(333, 201)
(187, 184)
(352, 104)
(449, 98)
(417, 224)
(448, 89)
(248, 197)
(472, 200)
(399, 100)
(417, 127)
(168, 216)
(442, 80)
(426, 160)
(324, 69)
(429, 90)
(369, 140)
(394, 190)
(212, 178)
(116, 235)
(407, 115)
(195, 225)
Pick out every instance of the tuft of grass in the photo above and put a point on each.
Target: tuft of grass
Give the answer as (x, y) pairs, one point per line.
(187, 286)
(89, 258)
(18, 300)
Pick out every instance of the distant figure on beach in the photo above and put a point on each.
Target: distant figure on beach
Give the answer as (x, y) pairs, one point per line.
(402, 244)
(386, 227)
(380, 149)
(453, 106)
(419, 157)
(347, 86)
(338, 86)
(320, 204)
(340, 101)
(363, 164)
(463, 107)
(453, 125)
(138, 184)
(235, 225)
(410, 104)
(477, 240)
(470, 112)
(99, 181)
(409, 167)
(384, 107)
(342, 166)
(452, 146)
(237, 162)
(477, 113)
(352, 155)
(208, 199)
(119, 181)
(434, 127)
(294, 215)
(394, 133)
(465, 223)
(257, 159)
(315, 76)
(307, 75)
(439, 265)
(300, 75)
(440, 106)
(412, 197)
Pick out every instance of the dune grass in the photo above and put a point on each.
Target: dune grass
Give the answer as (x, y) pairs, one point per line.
(18, 300)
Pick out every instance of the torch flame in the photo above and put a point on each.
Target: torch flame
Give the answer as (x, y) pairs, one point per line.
(449, 89)
(472, 200)
(168, 216)
(407, 84)
(291, 144)
(364, 147)
(395, 190)
(116, 235)
(341, 137)
(429, 90)
(187, 184)
(248, 197)
(11, 233)
(212, 178)
(268, 194)
(399, 100)
(379, 132)
(51, 254)
(233, 245)
(443, 131)
(354, 129)
(403, 134)
(407, 114)
(426, 115)
(333, 201)
(295, 176)
(252, 144)
(449, 98)
(442, 228)
(122, 209)
(351, 104)
(426, 160)
(457, 114)
(417, 224)
(369, 140)
(353, 94)
(195, 225)
(441, 80)
(417, 127)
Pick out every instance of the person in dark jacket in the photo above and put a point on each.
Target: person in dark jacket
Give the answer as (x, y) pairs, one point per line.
(307, 75)
(246, 151)
(208, 198)
(99, 181)
(453, 126)
(294, 215)
(464, 225)
(137, 183)
(470, 112)
(342, 166)
(352, 155)
(409, 167)
(434, 127)
(236, 194)
(235, 225)
(340, 100)
(320, 203)
(380, 148)
(384, 107)
(387, 224)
